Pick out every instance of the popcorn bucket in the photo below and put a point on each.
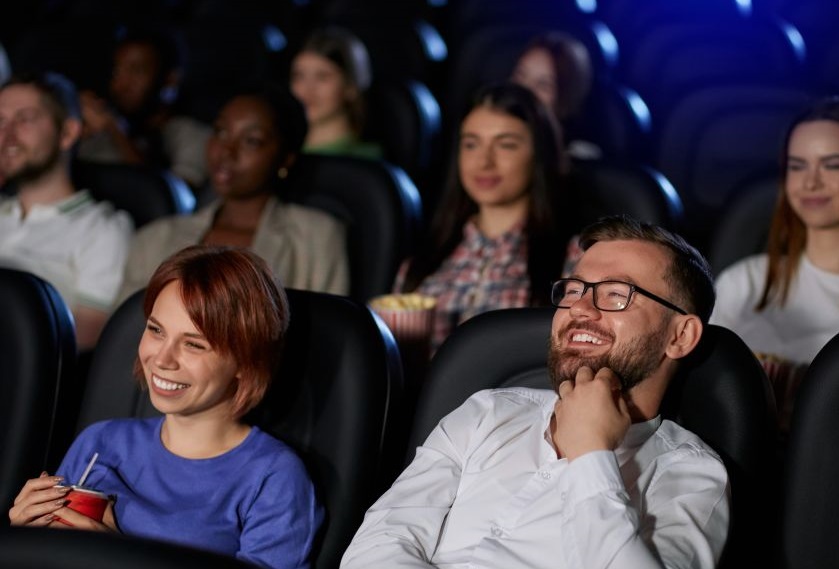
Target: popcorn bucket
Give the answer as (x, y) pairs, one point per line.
(409, 316)
(785, 377)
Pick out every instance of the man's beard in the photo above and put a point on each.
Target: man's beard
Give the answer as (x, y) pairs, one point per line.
(632, 362)
(35, 169)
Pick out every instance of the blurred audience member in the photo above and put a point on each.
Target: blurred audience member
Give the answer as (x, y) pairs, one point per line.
(137, 123)
(256, 138)
(496, 240)
(48, 227)
(785, 303)
(557, 68)
(5, 75)
(330, 75)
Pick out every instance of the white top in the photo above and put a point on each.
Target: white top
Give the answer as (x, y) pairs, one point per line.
(487, 490)
(795, 331)
(78, 245)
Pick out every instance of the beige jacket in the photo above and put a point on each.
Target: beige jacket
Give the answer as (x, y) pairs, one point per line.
(306, 248)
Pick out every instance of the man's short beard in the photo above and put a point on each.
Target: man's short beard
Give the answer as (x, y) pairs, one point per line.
(632, 362)
(34, 170)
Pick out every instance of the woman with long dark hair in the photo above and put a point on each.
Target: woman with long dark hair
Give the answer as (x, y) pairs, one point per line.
(496, 240)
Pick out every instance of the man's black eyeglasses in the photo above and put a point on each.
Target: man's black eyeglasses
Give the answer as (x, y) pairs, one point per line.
(609, 296)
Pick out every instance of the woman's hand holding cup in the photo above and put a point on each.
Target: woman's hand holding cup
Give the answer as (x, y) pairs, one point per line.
(38, 501)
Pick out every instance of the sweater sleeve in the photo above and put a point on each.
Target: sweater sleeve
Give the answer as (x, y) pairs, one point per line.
(281, 523)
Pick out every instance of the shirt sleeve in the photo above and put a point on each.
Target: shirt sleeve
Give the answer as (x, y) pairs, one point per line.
(402, 528)
(185, 143)
(333, 271)
(737, 293)
(101, 260)
(281, 524)
(146, 252)
(684, 525)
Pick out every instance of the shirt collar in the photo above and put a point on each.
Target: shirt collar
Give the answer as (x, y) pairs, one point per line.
(471, 233)
(68, 205)
(74, 202)
(636, 436)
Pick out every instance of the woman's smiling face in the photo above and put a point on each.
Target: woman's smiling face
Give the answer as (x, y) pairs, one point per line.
(185, 375)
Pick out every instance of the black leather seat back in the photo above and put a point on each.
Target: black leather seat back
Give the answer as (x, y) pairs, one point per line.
(603, 187)
(41, 548)
(811, 498)
(378, 203)
(37, 360)
(143, 192)
(333, 398)
(743, 227)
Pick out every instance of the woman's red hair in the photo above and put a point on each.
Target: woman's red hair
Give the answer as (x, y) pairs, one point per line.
(235, 301)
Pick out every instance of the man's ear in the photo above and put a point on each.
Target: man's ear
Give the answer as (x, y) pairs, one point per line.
(71, 130)
(686, 330)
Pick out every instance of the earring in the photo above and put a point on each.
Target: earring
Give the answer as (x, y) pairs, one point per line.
(282, 173)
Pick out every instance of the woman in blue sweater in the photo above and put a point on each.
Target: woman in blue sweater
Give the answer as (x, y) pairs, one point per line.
(199, 475)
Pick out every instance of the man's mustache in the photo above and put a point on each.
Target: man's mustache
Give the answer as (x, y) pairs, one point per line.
(586, 326)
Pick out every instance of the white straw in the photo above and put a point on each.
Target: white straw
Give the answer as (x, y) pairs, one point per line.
(87, 470)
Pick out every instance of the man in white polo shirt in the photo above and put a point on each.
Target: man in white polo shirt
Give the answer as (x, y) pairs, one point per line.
(47, 227)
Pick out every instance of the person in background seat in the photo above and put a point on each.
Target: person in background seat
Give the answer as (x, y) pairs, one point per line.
(256, 139)
(495, 234)
(329, 76)
(785, 303)
(137, 123)
(47, 226)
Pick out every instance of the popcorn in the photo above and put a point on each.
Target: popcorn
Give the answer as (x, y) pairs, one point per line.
(407, 301)
(410, 316)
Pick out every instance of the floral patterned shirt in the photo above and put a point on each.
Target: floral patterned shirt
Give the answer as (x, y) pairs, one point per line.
(481, 274)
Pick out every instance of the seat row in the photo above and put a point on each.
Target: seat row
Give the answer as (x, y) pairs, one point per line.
(338, 399)
(385, 212)
(701, 98)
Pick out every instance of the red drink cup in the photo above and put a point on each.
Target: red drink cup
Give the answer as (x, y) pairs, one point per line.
(91, 503)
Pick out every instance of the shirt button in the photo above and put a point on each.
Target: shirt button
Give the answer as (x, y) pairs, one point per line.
(545, 474)
(496, 531)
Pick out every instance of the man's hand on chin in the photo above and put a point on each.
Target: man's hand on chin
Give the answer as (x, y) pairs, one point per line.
(590, 413)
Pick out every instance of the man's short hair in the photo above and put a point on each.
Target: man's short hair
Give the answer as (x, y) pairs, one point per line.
(58, 92)
(689, 275)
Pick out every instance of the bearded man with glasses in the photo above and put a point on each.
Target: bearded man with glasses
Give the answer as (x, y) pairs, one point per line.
(586, 475)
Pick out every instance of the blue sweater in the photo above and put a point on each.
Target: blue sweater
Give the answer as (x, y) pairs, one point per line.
(254, 502)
